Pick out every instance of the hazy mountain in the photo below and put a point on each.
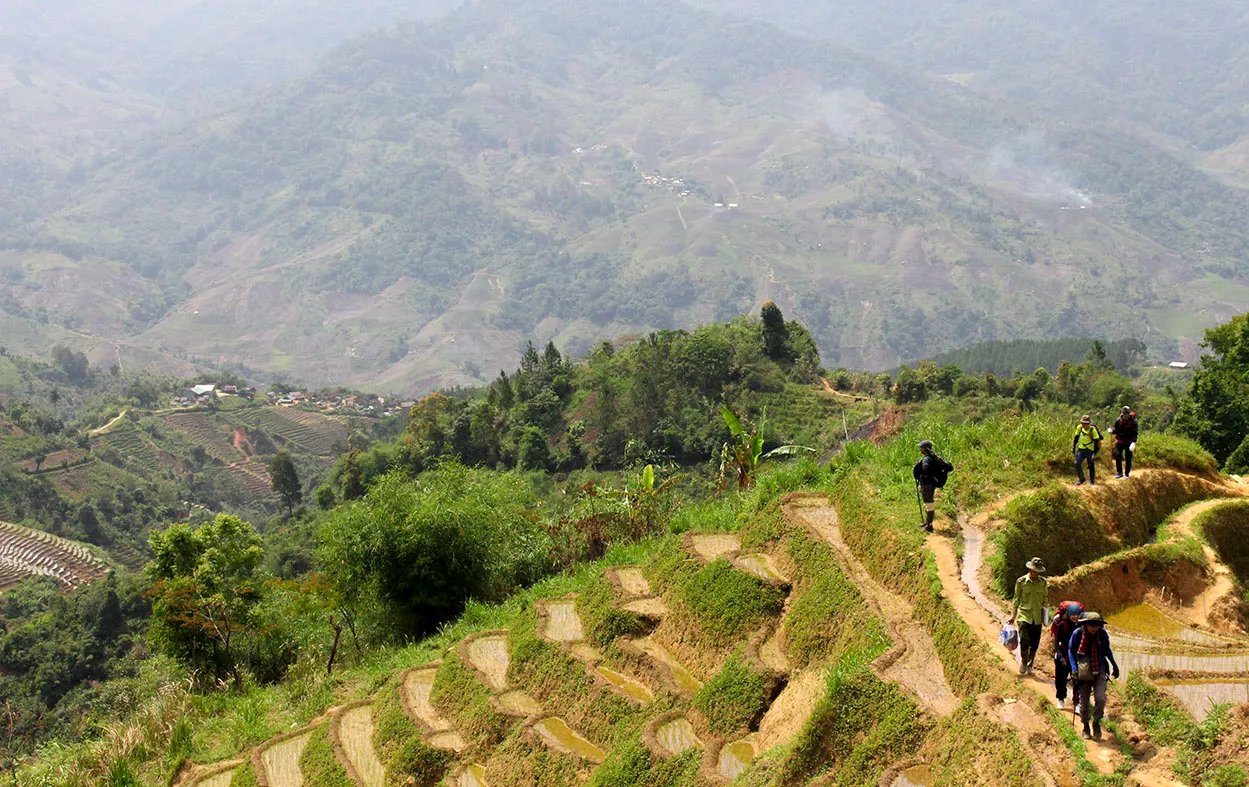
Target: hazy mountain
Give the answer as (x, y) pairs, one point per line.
(1178, 71)
(427, 199)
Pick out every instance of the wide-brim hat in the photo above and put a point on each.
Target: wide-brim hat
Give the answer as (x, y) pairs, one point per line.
(1126, 409)
(1092, 617)
(1084, 419)
(1035, 564)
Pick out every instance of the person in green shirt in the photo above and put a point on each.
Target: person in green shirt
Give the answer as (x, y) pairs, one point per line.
(1031, 596)
(1085, 445)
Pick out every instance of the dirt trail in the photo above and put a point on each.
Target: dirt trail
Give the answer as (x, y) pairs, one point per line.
(917, 668)
(355, 732)
(108, 427)
(1222, 583)
(987, 623)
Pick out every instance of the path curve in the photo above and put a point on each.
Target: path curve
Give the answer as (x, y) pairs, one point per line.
(917, 667)
(1104, 754)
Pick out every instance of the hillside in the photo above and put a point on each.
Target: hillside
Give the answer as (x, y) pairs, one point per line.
(410, 213)
(802, 632)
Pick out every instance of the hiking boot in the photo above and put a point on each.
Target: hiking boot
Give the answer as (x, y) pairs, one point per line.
(1079, 483)
(1023, 668)
(1062, 704)
(1087, 735)
(927, 528)
(1097, 730)
(1118, 475)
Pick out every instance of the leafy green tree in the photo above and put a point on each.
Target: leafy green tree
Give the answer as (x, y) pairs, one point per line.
(416, 551)
(1216, 411)
(775, 335)
(206, 585)
(284, 479)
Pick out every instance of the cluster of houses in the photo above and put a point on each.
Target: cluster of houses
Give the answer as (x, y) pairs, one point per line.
(204, 393)
(363, 404)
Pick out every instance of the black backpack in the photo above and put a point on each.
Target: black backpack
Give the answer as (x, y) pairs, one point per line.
(941, 473)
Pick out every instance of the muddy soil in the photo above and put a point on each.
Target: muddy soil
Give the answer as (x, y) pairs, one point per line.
(562, 622)
(417, 685)
(677, 736)
(632, 581)
(556, 733)
(792, 708)
(710, 546)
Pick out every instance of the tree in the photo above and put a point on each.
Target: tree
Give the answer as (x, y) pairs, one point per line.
(284, 479)
(74, 364)
(1097, 359)
(1216, 410)
(775, 336)
(206, 585)
(744, 453)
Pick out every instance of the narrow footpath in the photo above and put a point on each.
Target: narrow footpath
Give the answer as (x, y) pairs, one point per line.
(985, 618)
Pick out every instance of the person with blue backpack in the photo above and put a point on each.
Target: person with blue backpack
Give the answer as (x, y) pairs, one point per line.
(931, 472)
(1092, 666)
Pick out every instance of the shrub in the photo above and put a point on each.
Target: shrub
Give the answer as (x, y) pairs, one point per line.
(423, 548)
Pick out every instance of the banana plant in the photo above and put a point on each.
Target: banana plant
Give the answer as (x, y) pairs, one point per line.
(744, 453)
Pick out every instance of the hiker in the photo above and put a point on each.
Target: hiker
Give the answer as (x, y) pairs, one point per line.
(1125, 431)
(1066, 621)
(1092, 666)
(931, 473)
(1085, 444)
(1031, 595)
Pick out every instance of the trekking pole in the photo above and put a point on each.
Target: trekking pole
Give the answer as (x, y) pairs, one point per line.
(923, 513)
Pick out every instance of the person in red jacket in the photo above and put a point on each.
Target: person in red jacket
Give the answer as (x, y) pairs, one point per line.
(1125, 431)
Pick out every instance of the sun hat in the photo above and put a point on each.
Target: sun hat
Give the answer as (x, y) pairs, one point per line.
(1092, 617)
(1084, 419)
(1126, 409)
(1035, 564)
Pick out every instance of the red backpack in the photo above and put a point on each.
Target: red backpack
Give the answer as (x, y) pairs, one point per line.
(1059, 614)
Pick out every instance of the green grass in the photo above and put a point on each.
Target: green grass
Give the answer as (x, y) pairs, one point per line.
(728, 604)
(601, 622)
(632, 765)
(244, 776)
(859, 728)
(318, 763)
(735, 698)
(828, 616)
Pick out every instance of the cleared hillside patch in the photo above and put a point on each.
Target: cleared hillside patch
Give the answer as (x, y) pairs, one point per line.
(25, 552)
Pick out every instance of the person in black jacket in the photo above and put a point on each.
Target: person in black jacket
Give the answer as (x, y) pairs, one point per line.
(929, 474)
(1125, 431)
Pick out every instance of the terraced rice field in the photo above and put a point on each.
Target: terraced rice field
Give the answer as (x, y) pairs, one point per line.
(253, 474)
(312, 432)
(355, 732)
(25, 552)
(208, 431)
(132, 445)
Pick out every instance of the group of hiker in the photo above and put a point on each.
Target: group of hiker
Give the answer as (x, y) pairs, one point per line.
(1082, 654)
(1087, 441)
(931, 471)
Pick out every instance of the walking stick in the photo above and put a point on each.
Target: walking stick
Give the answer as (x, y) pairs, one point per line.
(923, 512)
